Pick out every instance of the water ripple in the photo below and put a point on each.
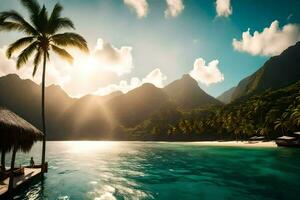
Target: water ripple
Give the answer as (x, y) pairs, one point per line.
(149, 170)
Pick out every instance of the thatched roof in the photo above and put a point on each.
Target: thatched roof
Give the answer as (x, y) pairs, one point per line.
(14, 129)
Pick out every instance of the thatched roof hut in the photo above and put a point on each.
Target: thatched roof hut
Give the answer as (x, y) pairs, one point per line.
(15, 130)
(17, 134)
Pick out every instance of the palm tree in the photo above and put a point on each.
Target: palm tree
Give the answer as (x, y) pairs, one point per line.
(271, 116)
(42, 35)
(282, 124)
(295, 116)
(264, 131)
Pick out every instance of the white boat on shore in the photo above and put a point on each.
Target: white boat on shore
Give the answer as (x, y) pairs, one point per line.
(289, 141)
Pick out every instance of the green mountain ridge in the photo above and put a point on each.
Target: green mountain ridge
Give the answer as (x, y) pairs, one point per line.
(269, 114)
(226, 96)
(278, 72)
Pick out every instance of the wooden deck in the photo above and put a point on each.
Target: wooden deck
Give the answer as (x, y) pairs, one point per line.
(29, 173)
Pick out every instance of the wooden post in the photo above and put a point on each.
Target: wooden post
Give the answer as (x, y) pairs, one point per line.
(3, 161)
(12, 166)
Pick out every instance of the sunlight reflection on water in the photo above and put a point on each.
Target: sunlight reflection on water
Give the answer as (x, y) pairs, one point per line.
(149, 170)
(90, 146)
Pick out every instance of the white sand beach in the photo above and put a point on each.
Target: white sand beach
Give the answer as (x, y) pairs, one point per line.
(237, 143)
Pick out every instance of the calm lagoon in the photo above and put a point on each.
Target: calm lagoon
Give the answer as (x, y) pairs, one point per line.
(163, 170)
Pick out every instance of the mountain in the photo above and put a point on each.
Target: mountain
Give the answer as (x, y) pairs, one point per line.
(86, 117)
(278, 72)
(24, 98)
(137, 105)
(187, 94)
(238, 120)
(16, 93)
(225, 97)
(96, 117)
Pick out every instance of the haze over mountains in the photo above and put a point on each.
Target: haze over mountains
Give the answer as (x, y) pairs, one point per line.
(99, 117)
(95, 117)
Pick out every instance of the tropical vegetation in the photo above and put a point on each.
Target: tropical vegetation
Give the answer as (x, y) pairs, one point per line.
(43, 34)
(269, 114)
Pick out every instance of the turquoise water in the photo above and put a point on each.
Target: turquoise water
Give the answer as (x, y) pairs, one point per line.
(154, 170)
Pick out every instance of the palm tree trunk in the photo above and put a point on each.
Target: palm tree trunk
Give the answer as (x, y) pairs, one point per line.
(43, 112)
(3, 161)
(12, 166)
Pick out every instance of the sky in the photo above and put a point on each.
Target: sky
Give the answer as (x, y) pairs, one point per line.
(217, 42)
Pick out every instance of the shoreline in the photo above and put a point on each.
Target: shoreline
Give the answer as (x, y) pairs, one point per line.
(237, 143)
(200, 143)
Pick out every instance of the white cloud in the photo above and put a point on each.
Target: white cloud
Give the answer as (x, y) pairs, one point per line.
(113, 59)
(271, 41)
(140, 7)
(156, 77)
(88, 72)
(8, 66)
(175, 7)
(223, 8)
(207, 74)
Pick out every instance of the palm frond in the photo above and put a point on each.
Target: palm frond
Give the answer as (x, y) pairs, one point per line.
(40, 20)
(17, 45)
(37, 60)
(43, 16)
(32, 6)
(62, 53)
(56, 11)
(60, 23)
(55, 15)
(25, 54)
(278, 124)
(56, 22)
(12, 26)
(16, 18)
(70, 39)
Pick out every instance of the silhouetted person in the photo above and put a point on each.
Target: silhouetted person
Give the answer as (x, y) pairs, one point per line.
(31, 162)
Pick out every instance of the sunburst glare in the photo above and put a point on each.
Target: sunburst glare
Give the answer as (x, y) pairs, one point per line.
(90, 146)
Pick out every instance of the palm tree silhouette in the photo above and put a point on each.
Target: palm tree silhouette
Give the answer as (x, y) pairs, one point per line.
(281, 123)
(42, 35)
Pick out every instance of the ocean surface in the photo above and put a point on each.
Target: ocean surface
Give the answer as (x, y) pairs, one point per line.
(162, 170)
